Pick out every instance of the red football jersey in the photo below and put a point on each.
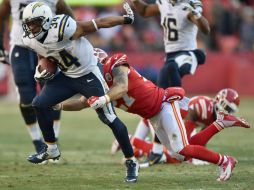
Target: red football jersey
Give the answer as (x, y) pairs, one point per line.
(204, 108)
(143, 97)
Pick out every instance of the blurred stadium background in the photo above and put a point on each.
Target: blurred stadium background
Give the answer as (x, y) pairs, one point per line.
(229, 47)
(86, 160)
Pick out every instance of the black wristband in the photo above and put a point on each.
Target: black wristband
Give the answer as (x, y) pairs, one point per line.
(127, 20)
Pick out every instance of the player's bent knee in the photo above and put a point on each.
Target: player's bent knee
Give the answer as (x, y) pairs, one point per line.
(37, 103)
(172, 66)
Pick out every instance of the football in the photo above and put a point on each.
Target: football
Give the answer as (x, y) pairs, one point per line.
(47, 65)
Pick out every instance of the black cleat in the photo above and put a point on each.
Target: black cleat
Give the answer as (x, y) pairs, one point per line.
(38, 145)
(132, 171)
(153, 159)
(44, 154)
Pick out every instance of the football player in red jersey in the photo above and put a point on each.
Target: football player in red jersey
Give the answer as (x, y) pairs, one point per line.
(131, 92)
(201, 113)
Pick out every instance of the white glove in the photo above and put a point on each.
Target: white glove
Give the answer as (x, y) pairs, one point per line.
(96, 102)
(197, 4)
(129, 17)
(42, 76)
(195, 11)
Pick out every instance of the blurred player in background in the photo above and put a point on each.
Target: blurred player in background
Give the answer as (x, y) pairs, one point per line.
(23, 62)
(181, 20)
(202, 113)
(61, 39)
(133, 93)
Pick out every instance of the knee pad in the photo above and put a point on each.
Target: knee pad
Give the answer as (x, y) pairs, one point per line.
(28, 113)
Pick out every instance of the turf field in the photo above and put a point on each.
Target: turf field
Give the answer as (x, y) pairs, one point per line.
(87, 164)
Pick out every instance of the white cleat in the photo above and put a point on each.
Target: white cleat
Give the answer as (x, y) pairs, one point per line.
(226, 169)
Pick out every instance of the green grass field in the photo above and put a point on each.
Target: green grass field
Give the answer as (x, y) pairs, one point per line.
(87, 164)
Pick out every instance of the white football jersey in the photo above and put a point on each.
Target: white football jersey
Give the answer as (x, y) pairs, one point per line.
(17, 7)
(179, 32)
(75, 58)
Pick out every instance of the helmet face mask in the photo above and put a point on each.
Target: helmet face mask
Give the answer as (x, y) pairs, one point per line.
(227, 100)
(33, 27)
(36, 19)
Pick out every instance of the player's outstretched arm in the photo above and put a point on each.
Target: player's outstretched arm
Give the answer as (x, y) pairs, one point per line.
(120, 82)
(84, 28)
(72, 104)
(146, 10)
(195, 16)
(117, 90)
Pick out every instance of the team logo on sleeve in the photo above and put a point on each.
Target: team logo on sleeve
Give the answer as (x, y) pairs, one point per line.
(108, 77)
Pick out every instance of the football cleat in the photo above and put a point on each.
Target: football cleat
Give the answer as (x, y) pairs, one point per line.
(226, 169)
(39, 145)
(132, 171)
(225, 120)
(153, 159)
(44, 155)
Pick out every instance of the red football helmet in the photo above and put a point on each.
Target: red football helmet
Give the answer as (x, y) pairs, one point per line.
(227, 100)
(100, 54)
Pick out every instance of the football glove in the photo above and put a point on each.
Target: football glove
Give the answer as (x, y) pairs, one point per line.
(96, 102)
(197, 4)
(42, 76)
(129, 17)
(195, 11)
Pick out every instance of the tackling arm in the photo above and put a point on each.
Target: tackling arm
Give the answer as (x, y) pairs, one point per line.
(72, 104)
(146, 10)
(120, 82)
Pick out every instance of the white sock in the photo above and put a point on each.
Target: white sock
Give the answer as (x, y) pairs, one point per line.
(142, 130)
(51, 146)
(34, 131)
(56, 128)
(157, 148)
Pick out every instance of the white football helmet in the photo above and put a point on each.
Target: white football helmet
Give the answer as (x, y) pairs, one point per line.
(227, 100)
(36, 14)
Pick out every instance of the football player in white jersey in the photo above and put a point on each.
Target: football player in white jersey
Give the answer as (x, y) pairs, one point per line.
(181, 20)
(23, 62)
(61, 39)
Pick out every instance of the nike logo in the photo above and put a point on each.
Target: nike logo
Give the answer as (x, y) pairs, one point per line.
(89, 80)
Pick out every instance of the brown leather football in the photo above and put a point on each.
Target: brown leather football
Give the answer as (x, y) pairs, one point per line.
(44, 63)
